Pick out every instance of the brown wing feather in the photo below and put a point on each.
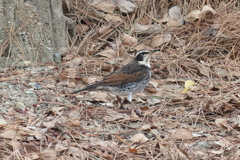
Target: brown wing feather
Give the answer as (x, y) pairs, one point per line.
(119, 78)
(125, 75)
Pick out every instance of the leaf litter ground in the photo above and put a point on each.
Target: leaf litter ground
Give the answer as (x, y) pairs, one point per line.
(41, 120)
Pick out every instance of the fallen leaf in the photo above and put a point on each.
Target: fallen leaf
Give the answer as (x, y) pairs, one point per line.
(221, 123)
(223, 143)
(104, 29)
(61, 146)
(39, 133)
(160, 39)
(78, 153)
(197, 14)
(154, 83)
(27, 63)
(140, 28)
(178, 42)
(134, 150)
(217, 152)
(221, 72)
(165, 18)
(141, 46)
(50, 124)
(188, 84)
(182, 133)
(207, 9)
(192, 16)
(125, 6)
(2, 121)
(151, 89)
(48, 154)
(108, 52)
(172, 23)
(91, 80)
(30, 147)
(128, 40)
(113, 18)
(81, 28)
(204, 70)
(105, 7)
(139, 138)
(57, 109)
(153, 101)
(144, 21)
(63, 81)
(72, 85)
(100, 96)
(157, 123)
(15, 144)
(176, 17)
(146, 29)
(145, 127)
(113, 115)
(10, 133)
(170, 125)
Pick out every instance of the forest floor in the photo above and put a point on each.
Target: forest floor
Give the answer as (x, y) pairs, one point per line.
(198, 43)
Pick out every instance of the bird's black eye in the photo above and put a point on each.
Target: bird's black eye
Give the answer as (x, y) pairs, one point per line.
(145, 53)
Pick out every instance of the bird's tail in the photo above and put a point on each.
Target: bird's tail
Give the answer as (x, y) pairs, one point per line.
(88, 88)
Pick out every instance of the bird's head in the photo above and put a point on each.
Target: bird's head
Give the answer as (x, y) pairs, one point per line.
(143, 56)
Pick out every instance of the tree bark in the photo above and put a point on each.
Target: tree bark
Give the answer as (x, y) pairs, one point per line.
(31, 30)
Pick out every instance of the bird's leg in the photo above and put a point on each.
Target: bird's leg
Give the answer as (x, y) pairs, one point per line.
(119, 100)
(136, 110)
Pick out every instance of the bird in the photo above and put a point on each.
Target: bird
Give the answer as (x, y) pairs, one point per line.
(128, 79)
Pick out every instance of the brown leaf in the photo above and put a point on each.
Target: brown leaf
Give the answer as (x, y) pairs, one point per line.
(222, 123)
(151, 89)
(144, 21)
(48, 154)
(63, 81)
(100, 96)
(192, 16)
(132, 150)
(105, 7)
(182, 133)
(10, 133)
(156, 122)
(91, 80)
(113, 18)
(176, 18)
(81, 28)
(128, 40)
(30, 147)
(178, 42)
(142, 46)
(125, 6)
(108, 52)
(139, 138)
(206, 9)
(113, 115)
(104, 29)
(160, 39)
(140, 28)
(77, 152)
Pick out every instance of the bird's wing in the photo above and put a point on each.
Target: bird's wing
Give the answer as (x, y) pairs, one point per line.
(125, 75)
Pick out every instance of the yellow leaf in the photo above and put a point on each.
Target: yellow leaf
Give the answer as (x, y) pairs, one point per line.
(188, 84)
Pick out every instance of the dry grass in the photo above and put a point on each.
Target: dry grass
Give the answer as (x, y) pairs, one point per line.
(200, 124)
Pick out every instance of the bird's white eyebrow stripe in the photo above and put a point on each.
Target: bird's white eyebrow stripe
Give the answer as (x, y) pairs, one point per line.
(141, 51)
